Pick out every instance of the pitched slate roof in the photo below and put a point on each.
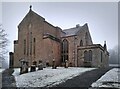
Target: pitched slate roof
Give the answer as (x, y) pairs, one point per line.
(72, 31)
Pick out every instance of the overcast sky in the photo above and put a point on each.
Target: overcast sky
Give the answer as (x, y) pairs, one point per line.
(102, 18)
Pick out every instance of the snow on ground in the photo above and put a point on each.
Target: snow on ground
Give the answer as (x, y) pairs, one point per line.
(109, 79)
(47, 77)
(114, 65)
(1, 70)
(16, 71)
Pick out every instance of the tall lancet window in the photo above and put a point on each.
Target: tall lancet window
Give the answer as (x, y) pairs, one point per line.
(90, 55)
(29, 39)
(24, 47)
(30, 43)
(65, 42)
(34, 44)
(86, 56)
(81, 43)
(65, 48)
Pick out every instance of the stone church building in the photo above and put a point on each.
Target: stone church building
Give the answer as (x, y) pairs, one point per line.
(40, 40)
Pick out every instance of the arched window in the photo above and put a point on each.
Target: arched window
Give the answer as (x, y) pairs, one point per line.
(24, 47)
(30, 43)
(62, 47)
(86, 38)
(81, 43)
(90, 55)
(34, 44)
(65, 43)
(86, 56)
(65, 48)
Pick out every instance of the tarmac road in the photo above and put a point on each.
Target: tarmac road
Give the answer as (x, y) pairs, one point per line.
(84, 80)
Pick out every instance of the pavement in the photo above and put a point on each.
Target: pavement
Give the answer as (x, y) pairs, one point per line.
(84, 80)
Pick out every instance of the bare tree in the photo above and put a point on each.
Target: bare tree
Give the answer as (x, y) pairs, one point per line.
(113, 55)
(3, 43)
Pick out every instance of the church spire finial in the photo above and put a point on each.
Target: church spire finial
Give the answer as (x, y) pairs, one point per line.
(30, 7)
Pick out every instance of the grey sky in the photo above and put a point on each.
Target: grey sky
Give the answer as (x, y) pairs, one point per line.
(0, 12)
(102, 18)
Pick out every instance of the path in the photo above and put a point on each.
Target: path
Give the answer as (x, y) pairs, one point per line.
(84, 80)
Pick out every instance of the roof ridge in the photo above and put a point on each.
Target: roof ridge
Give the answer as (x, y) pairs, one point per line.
(36, 13)
(69, 28)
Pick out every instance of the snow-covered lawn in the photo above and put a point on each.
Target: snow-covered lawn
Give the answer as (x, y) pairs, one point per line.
(109, 79)
(16, 71)
(47, 76)
(1, 70)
